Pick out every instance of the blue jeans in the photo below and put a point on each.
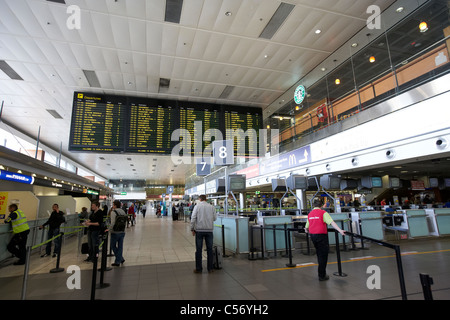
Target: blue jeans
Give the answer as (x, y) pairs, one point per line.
(117, 246)
(53, 233)
(199, 236)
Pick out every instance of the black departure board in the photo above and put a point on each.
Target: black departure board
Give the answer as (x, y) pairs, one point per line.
(150, 127)
(119, 124)
(202, 119)
(98, 123)
(246, 124)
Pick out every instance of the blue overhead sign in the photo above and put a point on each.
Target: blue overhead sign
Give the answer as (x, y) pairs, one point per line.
(285, 161)
(203, 167)
(16, 177)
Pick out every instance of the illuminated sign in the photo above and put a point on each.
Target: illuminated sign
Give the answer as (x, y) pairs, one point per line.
(16, 177)
(299, 94)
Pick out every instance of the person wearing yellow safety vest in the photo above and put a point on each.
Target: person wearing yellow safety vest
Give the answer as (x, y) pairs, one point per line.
(21, 229)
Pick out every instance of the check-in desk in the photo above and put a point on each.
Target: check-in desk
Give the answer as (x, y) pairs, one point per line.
(236, 233)
(275, 238)
(341, 220)
(369, 224)
(442, 221)
(412, 223)
(417, 223)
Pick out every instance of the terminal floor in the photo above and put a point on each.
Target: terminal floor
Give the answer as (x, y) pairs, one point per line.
(159, 265)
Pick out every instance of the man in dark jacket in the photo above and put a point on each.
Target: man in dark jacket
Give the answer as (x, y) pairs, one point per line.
(54, 222)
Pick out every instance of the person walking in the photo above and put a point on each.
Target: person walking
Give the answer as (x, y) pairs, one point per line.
(316, 226)
(118, 224)
(20, 229)
(202, 225)
(53, 223)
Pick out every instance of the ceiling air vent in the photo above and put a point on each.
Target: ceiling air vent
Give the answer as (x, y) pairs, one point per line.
(54, 113)
(164, 84)
(5, 67)
(92, 78)
(173, 10)
(226, 92)
(277, 20)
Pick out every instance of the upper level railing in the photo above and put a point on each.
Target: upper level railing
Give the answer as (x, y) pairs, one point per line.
(420, 68)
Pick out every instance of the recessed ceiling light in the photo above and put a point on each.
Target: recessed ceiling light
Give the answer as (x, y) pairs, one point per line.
(400, 9)
(318, 31)
(323, 69)
(228, 13)
(354, 45)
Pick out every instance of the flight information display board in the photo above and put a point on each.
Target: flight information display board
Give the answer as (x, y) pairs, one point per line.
(98, 123)
(149, 127)
(247, 121)
(201, 118)
(119, 124)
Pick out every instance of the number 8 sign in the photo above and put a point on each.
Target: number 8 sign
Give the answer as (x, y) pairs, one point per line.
(223, 152)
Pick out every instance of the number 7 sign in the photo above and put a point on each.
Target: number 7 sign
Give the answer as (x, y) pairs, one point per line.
(203, 166)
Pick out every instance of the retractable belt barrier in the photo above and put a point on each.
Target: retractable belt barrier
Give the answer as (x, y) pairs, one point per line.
(398, 257)
(57, 269)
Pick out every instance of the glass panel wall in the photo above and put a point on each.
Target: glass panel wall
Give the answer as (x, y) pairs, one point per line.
(395, 61)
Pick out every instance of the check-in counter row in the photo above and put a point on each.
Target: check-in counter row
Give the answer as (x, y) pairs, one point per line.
(404, 223)
(238, 230)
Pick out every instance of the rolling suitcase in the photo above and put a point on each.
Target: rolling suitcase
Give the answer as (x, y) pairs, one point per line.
(217, 258)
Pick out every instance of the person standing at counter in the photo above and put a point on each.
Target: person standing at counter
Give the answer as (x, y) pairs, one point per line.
(316, 226)
(54, 222)
(20, 228)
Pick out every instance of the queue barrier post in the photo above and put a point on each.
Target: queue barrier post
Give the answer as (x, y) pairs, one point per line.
(426, 282)
(58, 256)
(94, 272)
(103, 267)
(25, 275)
(338, 255)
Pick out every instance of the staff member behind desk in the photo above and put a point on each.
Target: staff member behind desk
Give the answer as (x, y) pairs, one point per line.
(21, 229)
(202, 226)
(94, 224)
(317, 228)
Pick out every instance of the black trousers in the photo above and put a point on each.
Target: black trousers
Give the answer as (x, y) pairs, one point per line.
(17, 245)
(322, 246)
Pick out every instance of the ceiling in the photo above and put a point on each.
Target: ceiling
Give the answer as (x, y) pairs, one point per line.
(216, 47)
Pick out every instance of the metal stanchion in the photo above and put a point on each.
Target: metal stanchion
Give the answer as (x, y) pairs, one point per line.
(58, 256)
(103, 267)
(252, 249)
(290, 264)
(94, 273)
(338, 255)
(426, 282)
(25, 275)
(274, 241)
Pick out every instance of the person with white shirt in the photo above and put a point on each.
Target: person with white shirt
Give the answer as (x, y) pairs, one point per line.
(202, 226)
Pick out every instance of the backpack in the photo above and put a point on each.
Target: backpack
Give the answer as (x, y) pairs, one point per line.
(120, 223)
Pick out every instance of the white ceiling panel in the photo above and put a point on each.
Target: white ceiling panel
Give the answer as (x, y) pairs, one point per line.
(130, 47)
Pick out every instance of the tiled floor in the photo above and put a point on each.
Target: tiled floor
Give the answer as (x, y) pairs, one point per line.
(159, 265)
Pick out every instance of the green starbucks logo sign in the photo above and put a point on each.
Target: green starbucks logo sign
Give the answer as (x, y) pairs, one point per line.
(299, 94)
